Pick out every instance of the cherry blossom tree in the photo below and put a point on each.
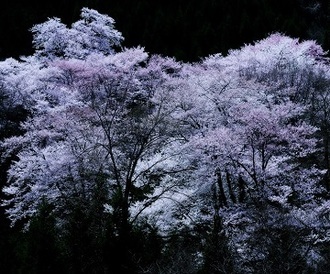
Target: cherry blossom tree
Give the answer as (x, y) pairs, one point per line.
(93, 33)
(226, 150)
(102, 140)
(252, 144)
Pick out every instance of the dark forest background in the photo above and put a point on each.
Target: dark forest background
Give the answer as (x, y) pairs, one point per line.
(187, 30)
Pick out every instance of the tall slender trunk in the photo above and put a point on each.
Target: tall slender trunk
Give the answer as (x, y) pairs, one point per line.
(241, 190)
(125, 258)
(327, 160)
(221, 193)
(230, 188)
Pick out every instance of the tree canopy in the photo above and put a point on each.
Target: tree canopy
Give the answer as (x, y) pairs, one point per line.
(186, 30)
(122, 161)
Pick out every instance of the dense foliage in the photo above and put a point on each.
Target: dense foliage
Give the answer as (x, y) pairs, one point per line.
(186, 29)
(117, 161)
